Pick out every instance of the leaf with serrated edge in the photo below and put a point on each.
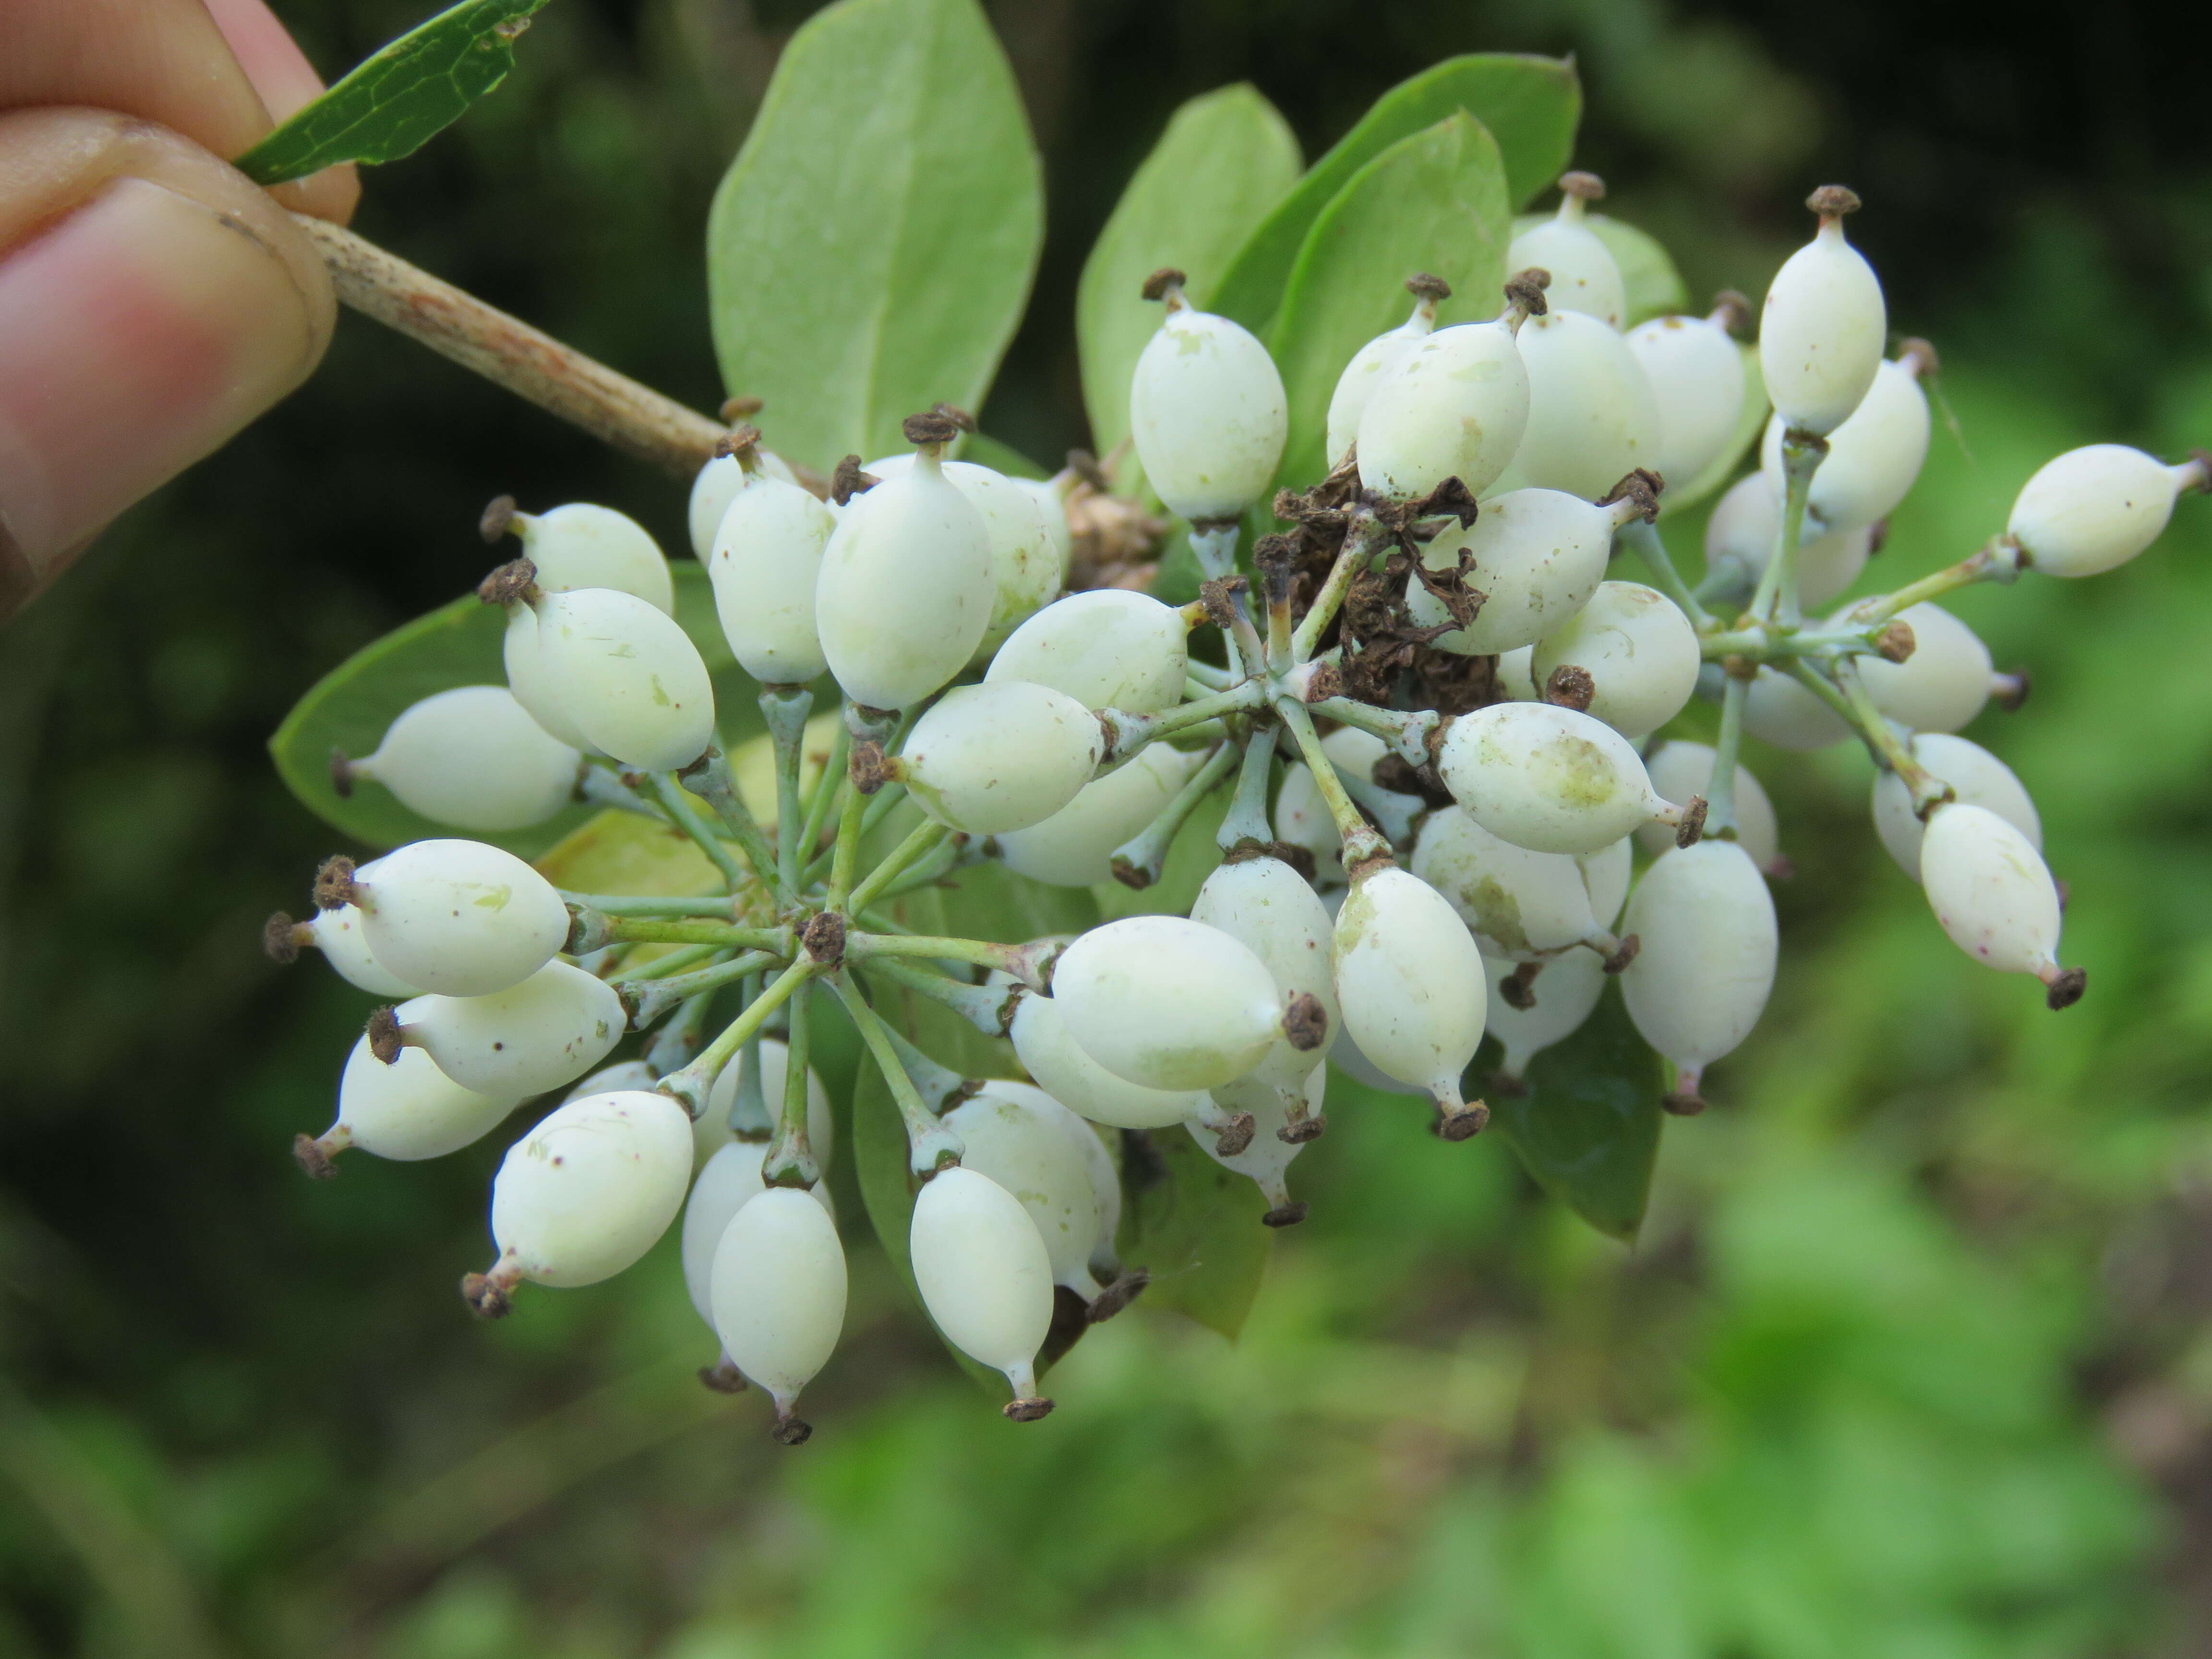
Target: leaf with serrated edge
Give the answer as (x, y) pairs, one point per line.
(1530, 105)
(1588, 1127)
(1434, 202)
(870, 250)
(458, 644)
(1225, 158)
(391, 104)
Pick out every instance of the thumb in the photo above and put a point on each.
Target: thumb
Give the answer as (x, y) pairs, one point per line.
(152, 302)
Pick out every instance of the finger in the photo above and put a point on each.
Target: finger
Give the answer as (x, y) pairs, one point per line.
(164, 61)
(286, 82)
(152, 302)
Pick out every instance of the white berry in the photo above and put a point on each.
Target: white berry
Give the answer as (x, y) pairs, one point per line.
(1873, 458)
(1640, 651)
(1566, 993)
(1268, 907)
(458, 917)
(1822, 332)
(983, 1271)
(765, 560)
(1592, 417)
(1066, 1073)
(1778, 710)
(1207, 413)
(1000, 756)
(474, 758)
(1167, 1002)
(1520, 906)
(719, 482)
(1366, 370)
(730, 1180)
(1991, 891)
(1027, 565)
(590, 1189)
(1942, 684)
(410, 1110)
(551, 1029)
(1585, 276)
(1701, 980)
(1546, 778)
(714, 1129)
(1695, 371)
(778, 1289)
(1976, 776)
(1679, 769)
(1409, 979)
(1538, 557)
(2096, 507)
(1741, 532)
(1107, 648)
(1075, 847)
(582, 545)
(628, 676)
(1455, 407)
(1014, 1133)
(340, 936)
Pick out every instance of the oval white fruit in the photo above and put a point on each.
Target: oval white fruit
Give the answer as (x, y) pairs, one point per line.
(1695, 371)
(1606, 872)
(588, 1190)
(1702, 978)
(1740, 536)
(1061, 1066)
(1409, 980)
(458, 917)
(1991, 891)
(1455, 407)
(1942, 684)
(778, 1288)
(1268, 907)
(1366, 370)
(1027, 565)
(343, 942)
(1679, 769)
(983, 1271)
(473, 758)
(1873, 458)
(583, 546)
(1779, 711)
(1822, 331)
(1207, 413)
(628, 678)
(1546, 778)
(730, 1180)
(1640, 651)
(1592, 417)
(1107, 648)
(411, 1110)
(1167, 1002)
(1075, 847)
(2094, 509)
(1520, 906)
(527, 681)
(714, 1131)
(1302, 818)
(1267, 1156)
(1585, 276)
(717, 484)
(551, 1028)
(1976, 776)
(765, 562)
(1000, 756)
(1013, 1133)
(1538, 557)
(1566, 993)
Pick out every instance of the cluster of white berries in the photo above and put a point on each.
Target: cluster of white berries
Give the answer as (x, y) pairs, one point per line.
(1440, 722)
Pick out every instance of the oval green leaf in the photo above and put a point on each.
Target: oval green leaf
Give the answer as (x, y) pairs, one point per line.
(1194, 1227)
(1436, 203)
(1225, 158)
(1531, 105)
(390, 105)
(869, 250)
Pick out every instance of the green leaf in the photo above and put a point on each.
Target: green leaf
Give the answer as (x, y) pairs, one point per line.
(391, 104)
(1654, 287)
(1224, 160)
(986, 451)
(1588, 1127)
(870, 250)
(1435, 202)
(1530, 105)
(1750, 422)
(1195, 1228)
(458, 644)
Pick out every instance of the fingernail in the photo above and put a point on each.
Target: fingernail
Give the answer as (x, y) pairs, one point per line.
(136, 335)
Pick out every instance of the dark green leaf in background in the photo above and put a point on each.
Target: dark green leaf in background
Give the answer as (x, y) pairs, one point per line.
(1530, 105)
(458, 644)
(391, 104)
(1435, 202)
(870, 250)
(1588, 1127)
(1225, 158)
(1195, 1228)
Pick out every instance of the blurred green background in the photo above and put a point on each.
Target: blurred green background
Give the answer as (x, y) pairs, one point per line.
(1911, 1359)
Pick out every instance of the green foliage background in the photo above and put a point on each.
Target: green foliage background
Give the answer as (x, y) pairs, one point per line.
(1910, 1359)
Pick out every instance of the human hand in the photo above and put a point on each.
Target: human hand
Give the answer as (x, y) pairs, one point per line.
(153, 299)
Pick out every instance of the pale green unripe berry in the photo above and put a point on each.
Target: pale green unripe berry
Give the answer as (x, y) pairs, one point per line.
(1779, 711)
(1027, 564)
(1075, 847)
(1585, 276)
(590, 1189)
(1061, 1066)
(1702, 978)
(1745, 524)
(1516, 674)
(1366, 370)
(1977, 777)
(1695, 370)
(984, 1272)
(628, 676)
(1105, 1192)
(1546, 778)
(1606, 872)
(549, 1030)
(1942, 684)
(1207, 413)
(1639, 650)
(530, 684)
(1822, 331)
(408, 1111)
(2096, 507)
(1566, 994)
(778, 1289)
(1167, 1002)
(1302, 818)
(1679, 769)
(730, 1180)
(713, 1130)
(1051, 497)
(907, 588)
(458, 917)
(1107, 648)
(1012, 1133)
(1520, 906)
(1455, 407)
(1538, 555)
(1873, 458)
(1409, 980)
(765, 560)
(1592, 417)
(1991, 892)
(1000, 756)
(623, 1075)
(719, 482)
(581, 546)
(474, 758)
(1266, 906)
(339, 935)
(1267, 1156)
